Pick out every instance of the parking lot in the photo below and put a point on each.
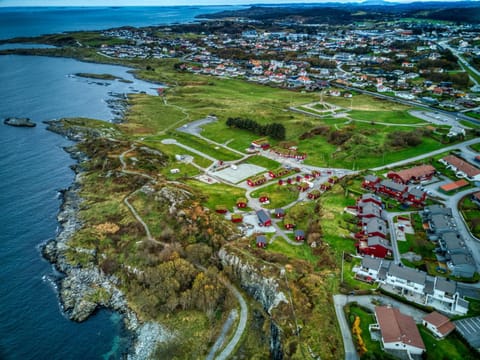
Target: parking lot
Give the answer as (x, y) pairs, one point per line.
(470, 330)
(239, 173)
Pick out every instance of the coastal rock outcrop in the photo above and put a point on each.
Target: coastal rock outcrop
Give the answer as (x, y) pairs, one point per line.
(19, 122)
(265, 290)
(85, 288)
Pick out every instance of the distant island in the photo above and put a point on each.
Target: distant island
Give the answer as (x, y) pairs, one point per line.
(102, 77)
(19, 122)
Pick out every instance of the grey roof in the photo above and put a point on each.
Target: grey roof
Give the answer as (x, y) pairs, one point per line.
(429, 285)
(385, 265)
(261, 239)
(279, 211)
(462, 259)
(440, 222)
(371, 196)
(451, 243)
(377, 240)
(393, 185)
(370, 208)
(406, 273)
(376, 224)
(416, 192)
(262, 216)
(299, 233)
(437, 210)
(372, 178)
(449, 287)
(373, 263)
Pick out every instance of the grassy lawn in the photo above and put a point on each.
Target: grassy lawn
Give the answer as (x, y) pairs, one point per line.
(279, 195)
(368, 149)
(335, 229)
(366, 103)
(387, 116)
(172, 150)
(203, 146)
(349, 280)
(218, 194)
(366, 318)
(238, 139)
(476, 147)
(263, 162)
(452, 347)
(303, 252)
(471, 214)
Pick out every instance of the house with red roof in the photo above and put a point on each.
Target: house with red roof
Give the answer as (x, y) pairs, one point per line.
(398, 331)
(438, 324)
(412, 175)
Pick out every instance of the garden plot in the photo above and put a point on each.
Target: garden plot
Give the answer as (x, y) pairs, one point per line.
(239, 173)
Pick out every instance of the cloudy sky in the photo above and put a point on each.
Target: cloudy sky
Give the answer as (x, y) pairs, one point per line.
(163, 2)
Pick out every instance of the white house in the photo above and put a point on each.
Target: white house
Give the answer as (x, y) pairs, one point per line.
(438, 324)
(399, 331)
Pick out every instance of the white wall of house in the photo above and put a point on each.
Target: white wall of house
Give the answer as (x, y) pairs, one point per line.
(401, 346)
(433, 329)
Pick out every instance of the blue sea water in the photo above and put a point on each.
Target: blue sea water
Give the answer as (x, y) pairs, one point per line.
(36, 21)
(34, 167)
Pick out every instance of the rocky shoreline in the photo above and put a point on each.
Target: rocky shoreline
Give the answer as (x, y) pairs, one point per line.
(19, 122)
(83, 290)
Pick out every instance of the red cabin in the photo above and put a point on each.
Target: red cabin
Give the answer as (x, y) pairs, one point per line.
(299, 235)
(237, 218)
(256, 180)
(303, 187)
(261, 241)
(242, 203)
(221, 209)
(264, 199)
(314, 194)
(263, 218)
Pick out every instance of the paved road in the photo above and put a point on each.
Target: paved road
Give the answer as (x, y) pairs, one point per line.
(195, 151)
(242, 323)
(462, 60)
(427, 155)
(350, 352)
(195, 128)
(408, 102)
(393, 236)
(221, 338)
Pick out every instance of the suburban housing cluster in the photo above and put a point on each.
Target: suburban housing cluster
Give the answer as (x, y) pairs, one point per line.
(390, 60)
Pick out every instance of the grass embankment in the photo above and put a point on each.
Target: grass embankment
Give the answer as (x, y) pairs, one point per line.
(471, 214)
(367, 318)
(279, 195)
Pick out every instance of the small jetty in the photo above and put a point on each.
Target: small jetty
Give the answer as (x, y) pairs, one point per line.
(19, 122)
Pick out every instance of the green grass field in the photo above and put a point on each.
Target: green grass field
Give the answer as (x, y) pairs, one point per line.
(303, 252)
(386, 116)
(218, 194)
(279, 195)
(452, 347)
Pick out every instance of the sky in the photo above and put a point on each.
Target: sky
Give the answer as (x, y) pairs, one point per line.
(166, 2)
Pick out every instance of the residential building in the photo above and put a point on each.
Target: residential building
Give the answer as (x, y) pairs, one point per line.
(438, 324)
(399, 331)
(413, 175)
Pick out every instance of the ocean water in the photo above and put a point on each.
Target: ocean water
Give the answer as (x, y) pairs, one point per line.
(36, 21)
(34, 167)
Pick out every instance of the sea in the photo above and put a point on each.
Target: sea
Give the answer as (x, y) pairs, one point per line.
(34, 168)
